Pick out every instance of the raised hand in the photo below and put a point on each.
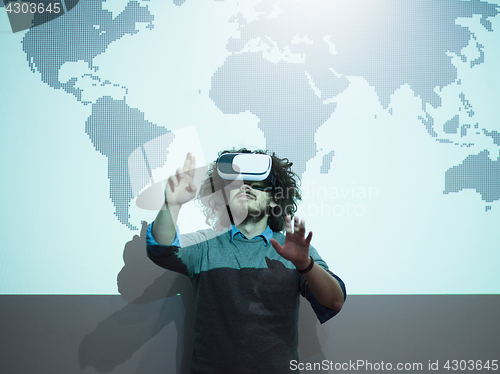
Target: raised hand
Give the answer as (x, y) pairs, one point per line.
(180, 188)
(296, 247)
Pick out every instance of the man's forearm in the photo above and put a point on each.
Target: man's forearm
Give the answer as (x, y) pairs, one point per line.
(164, 225)
(325, 288)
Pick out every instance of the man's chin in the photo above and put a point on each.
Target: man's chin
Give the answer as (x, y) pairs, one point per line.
(244, 214)
(239, 213)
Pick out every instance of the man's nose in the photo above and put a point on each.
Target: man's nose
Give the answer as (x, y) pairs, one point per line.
(245, 186)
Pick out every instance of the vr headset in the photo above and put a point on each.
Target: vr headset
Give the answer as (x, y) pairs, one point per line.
(246, 167)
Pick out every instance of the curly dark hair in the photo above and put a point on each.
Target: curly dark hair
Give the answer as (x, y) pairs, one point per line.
(285, 193)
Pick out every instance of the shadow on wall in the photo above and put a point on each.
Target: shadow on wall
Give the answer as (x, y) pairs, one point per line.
(150, 292)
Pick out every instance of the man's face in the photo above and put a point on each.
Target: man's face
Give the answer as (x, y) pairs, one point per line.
(249, 200)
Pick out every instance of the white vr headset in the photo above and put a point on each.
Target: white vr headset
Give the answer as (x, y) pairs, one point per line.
(246, 166)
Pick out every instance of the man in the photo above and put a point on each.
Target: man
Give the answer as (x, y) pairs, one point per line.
(247, 275)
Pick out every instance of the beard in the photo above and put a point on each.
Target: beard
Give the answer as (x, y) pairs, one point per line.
(256, 214)
(247, 211)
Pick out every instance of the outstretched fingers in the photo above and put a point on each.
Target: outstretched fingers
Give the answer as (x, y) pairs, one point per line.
(187, 162)
(190, 165)
(297, 229)
(288, 225)
(187, 169)
(300, 226)
(309, 237)
(296, 246)
(276, 246)
(297, 226)
(173, 181)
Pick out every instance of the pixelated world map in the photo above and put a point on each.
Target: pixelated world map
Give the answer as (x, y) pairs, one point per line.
(291, 69)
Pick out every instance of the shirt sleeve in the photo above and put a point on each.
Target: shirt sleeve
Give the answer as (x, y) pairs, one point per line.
(156, 248)
(166, 256)
(323, 313)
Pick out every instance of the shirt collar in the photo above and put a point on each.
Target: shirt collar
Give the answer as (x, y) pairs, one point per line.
(267, 234)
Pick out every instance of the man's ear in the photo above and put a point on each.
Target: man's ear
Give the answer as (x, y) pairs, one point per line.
(272, 204)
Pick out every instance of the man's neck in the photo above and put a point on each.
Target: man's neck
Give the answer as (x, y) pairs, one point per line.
(251, 228)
